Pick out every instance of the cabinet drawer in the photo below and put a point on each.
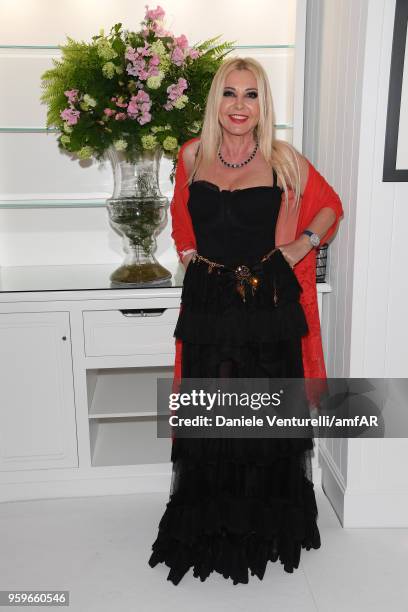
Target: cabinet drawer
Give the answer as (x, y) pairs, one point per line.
(133, 331)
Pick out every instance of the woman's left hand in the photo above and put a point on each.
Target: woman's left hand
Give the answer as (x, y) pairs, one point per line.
(296, 250)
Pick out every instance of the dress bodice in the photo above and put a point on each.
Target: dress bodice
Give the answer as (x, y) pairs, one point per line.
(234, 226)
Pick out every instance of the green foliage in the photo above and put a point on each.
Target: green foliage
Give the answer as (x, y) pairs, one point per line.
(100, 86)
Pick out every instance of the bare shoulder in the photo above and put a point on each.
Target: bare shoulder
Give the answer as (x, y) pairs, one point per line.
(302, 161)
(189, 153)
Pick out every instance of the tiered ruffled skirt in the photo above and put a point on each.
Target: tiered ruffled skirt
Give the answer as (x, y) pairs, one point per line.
(236, 504)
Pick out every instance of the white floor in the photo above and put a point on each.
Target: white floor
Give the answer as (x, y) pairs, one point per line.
(97, 548)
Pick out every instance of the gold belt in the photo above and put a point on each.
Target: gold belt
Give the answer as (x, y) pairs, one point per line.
(242, 273)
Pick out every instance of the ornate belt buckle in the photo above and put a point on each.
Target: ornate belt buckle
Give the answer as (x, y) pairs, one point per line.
(244, 275)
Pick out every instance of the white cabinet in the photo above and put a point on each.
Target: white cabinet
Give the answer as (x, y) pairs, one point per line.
(37, 411)
(138, 345)
(78, 379)
(146, 330)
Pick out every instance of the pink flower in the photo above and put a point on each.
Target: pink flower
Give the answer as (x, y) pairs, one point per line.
(120, 116)
(132, 70)
(142, 96)
(121, 103)
(109, 112)
(140, 104)
(131, 54)
(140, 66)
(159, 30)
(177, 56)
(153, 71)
(171, 90)
(154, 14)
(133, 108)
(72, 95)
(174, 92)
(70, 115)
(145, 118)
(144, 50)
(194, 53)
(181, 41)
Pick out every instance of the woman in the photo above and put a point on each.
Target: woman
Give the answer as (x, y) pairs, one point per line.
(237, 503)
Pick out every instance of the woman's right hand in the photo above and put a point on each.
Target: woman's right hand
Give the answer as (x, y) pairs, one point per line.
(187, 258)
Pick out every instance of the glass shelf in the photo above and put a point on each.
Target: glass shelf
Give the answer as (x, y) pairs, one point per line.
(85, 277)
(66, 203)
(77, 277)
(56, 47)
(44, 130)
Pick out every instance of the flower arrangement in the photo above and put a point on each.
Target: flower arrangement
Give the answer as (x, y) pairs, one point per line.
(134, 91)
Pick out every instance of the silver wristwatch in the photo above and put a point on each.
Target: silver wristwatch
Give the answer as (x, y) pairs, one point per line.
(314, 238)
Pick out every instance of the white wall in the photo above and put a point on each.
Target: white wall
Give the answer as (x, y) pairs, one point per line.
(332, 104)
(364, 321)
(380, 330)
(332, 113)
(35, 173)
(346, 95)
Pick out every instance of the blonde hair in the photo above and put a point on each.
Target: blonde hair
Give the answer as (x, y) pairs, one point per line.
(280, 155)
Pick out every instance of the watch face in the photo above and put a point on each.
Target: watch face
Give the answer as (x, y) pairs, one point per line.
(315, 240)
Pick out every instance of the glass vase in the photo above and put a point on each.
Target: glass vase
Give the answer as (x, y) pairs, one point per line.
(138, 212)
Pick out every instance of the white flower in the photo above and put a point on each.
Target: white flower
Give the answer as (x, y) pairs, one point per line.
(158, 47)
(105, 50)
(120, 145)
(195, 126)
(170, 143)
(85, 152)
(89, 101)
(154, 82)
(149, 141)
(108, 70)
(181, 101)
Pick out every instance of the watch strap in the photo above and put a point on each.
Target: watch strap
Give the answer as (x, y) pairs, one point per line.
(313, 237)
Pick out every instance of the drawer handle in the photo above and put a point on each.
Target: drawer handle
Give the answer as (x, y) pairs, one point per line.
(143, 312)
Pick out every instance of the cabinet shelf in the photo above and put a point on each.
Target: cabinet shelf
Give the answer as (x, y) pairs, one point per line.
(119, 392)
(127, 442)
(122, 415)
(127, 415)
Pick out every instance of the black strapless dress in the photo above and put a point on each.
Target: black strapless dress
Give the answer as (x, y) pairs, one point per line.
(236, 503)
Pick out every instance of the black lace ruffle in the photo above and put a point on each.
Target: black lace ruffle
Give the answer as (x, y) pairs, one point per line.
(235, 514)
